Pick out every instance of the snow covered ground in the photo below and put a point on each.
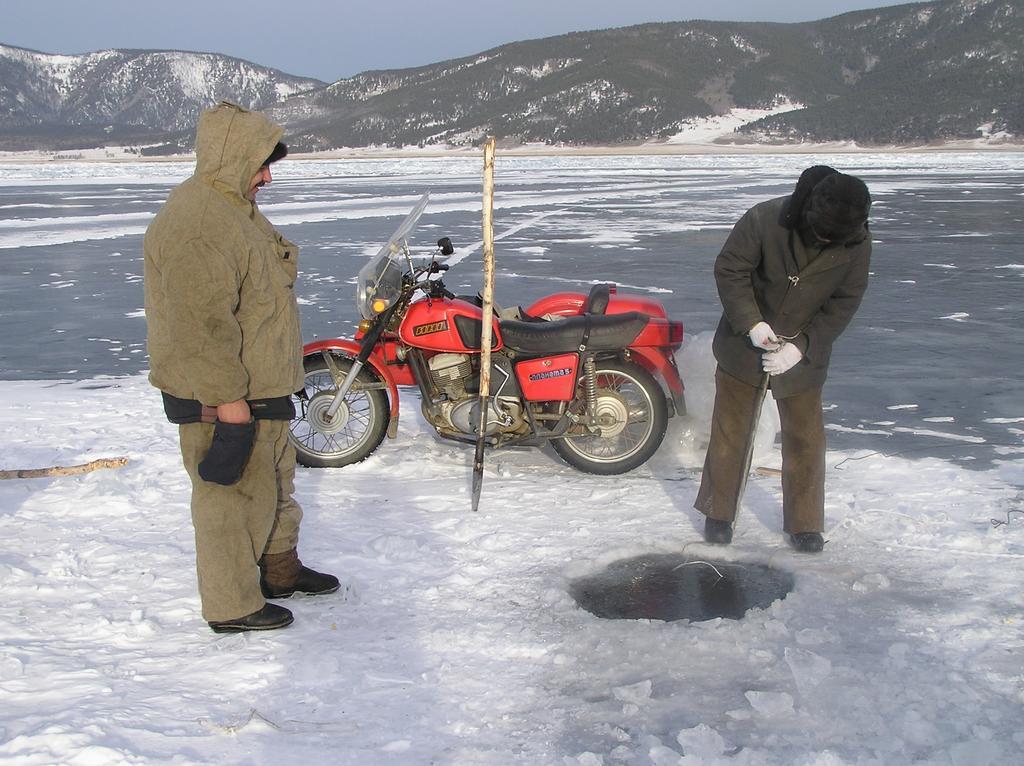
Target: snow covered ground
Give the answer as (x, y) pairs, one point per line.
(707, 130)
(455, 639)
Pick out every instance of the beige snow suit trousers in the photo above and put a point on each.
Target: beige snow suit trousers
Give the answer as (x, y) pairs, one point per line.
(236, 525)
(803, 455)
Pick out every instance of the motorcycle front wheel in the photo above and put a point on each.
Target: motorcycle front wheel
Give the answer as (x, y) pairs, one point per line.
(352, 434)
(632, 419)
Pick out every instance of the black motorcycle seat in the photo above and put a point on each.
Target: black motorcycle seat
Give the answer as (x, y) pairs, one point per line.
(608, 332)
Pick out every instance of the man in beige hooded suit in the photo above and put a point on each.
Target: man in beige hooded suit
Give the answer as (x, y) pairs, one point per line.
(226, 351)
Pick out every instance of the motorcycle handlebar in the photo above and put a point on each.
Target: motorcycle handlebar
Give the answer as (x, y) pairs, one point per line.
(435, 289)
(429, 267)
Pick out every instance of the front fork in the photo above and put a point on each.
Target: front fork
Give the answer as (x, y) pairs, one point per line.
(369, 343)
(345, 385)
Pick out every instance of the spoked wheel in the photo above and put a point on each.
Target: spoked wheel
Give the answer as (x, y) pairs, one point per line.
(354, 431)
(632, 417)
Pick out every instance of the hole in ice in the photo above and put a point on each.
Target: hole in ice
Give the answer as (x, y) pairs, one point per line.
(671, 587)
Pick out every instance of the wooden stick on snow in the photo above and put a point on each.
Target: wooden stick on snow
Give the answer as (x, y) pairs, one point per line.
(60, 470)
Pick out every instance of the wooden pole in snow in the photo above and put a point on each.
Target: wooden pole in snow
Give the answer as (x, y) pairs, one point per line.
(487, 312)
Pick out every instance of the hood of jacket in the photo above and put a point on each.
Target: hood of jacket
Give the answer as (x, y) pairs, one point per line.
(232, 144)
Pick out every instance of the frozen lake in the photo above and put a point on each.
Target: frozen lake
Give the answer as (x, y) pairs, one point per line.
(464, 638)
(931, 365)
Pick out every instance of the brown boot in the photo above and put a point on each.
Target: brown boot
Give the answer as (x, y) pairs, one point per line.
(283, 575)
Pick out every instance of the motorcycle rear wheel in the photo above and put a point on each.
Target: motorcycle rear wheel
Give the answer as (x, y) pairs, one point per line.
(636, 415)
(364, 418)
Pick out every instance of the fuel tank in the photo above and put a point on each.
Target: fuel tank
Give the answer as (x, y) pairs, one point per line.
(446, 325)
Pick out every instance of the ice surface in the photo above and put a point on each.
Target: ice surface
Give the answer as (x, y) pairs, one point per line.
(770, 704)
(701, 741)
(464, 645)
(977, 752)
(651, 223)
(809, 669)
(635, 693)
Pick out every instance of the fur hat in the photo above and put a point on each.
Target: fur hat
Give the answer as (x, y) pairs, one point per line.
(794, 206)
(279, 153)
(838, 207)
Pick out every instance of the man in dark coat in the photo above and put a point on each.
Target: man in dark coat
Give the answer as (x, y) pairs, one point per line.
(790, 277)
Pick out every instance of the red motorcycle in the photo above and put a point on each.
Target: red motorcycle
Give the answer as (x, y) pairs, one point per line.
(579, 371)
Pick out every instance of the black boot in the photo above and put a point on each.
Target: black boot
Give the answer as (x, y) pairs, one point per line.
(270, 617)
(807, 542)
(308, 581)
(717, 532)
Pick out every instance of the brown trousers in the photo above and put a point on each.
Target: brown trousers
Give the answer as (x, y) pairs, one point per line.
(803, 455)
(236, 525)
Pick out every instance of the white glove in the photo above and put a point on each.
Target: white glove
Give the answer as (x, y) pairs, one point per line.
(763, 336)
(777, 362)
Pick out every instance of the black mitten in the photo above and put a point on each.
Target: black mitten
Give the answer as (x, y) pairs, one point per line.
(229, 452)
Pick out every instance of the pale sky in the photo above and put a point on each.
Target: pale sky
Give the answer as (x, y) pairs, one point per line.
(332, 39)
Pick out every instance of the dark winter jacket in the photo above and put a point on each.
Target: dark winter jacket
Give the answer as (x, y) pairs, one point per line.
(221, 313)
(766, 272)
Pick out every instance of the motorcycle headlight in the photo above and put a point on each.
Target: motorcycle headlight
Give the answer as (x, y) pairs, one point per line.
(379, 305)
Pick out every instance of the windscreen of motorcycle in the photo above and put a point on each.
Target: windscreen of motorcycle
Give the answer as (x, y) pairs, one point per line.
(381, 278)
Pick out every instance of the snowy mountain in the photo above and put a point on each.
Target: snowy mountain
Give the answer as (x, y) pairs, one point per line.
(50, 99)
(906, 74)
(924, 72)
